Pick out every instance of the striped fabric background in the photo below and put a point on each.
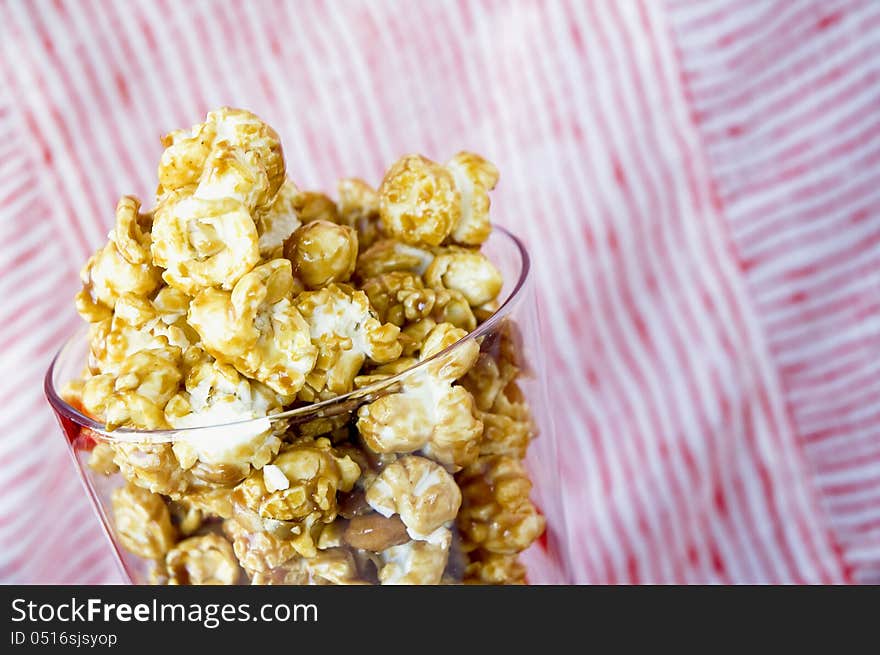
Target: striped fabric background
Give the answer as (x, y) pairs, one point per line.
(699, 183)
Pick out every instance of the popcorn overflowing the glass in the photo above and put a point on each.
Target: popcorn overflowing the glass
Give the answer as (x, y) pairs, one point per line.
(276, 388)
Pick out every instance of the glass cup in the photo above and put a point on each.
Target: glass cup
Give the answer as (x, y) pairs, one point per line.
(509, 388)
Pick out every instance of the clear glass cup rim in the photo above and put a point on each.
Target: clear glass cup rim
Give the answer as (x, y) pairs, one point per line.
(65, 409)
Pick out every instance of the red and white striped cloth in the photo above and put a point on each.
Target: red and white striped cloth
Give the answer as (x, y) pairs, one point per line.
(699, 184)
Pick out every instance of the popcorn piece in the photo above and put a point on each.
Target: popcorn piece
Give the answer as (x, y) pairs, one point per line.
(258, 552)
(415, 562)
(216, 394)
(494, 569)
(322, 252)
(346, 332)
(315, 472)
(185, 517)
(474, 178)
(388, 255)
(121, 267)
(496, 513)
(420, 491)
(314, 206)
(138, 325)
(256, 328)
(418, 201)
(136, 397)
(203, 560)
(359, 208)
(503, 435)
(233, 154)
(204, 242)
(466, 271)
(142, 520)
(151, 466)
(101, 459)
(214, 181)
(278, 221)
(423, 203)
(399, 297)
(429, 413)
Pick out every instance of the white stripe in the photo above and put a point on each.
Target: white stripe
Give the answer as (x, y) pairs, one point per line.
(797, 494)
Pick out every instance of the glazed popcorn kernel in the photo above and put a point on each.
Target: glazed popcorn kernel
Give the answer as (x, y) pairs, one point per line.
(415, 562)
(258, 552)
(474, 178)
(358, 207)
(429, 414)
(466, 271)
(202, 560)
(421, 492)
(257, 328)
(494, 569)
(423, 203)
(496, 513)
(215, 394)
(314, 206)
(232, 154)
(301, 485)
(142, 521)
(346, 332)
(122, 266)
(322, 252)
(204, 242)
(418, 201)
(388, 255)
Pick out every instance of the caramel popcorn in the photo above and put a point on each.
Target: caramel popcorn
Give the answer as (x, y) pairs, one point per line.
(494, 569)
(423, 493)
(300, 486)
(388, 255)
(346, 332)
(415, 562)
(423, 203)
(224, 323)
(257, 328)
(429, 414)
(142, 520)
(203, 560)
(322, 252)
(496, 513)
(278, 221)
(358, 207)
(121, 267)
(215, 394)
(467, 271)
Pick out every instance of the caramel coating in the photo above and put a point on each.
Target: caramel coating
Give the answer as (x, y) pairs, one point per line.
(142, 521)
(204, 560)
(346, 332)
(429, 413)
(121, 267)
(418, 201)
(415, 562)
(322, 252)
(496, 513)
(359, 208)
(305, 478)
(467, 271)
(256, 328)
(422, 492)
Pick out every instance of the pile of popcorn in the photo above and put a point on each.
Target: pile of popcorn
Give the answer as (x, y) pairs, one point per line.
(239, 297)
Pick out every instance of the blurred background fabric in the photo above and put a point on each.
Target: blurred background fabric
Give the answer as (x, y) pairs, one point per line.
(698, 183)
